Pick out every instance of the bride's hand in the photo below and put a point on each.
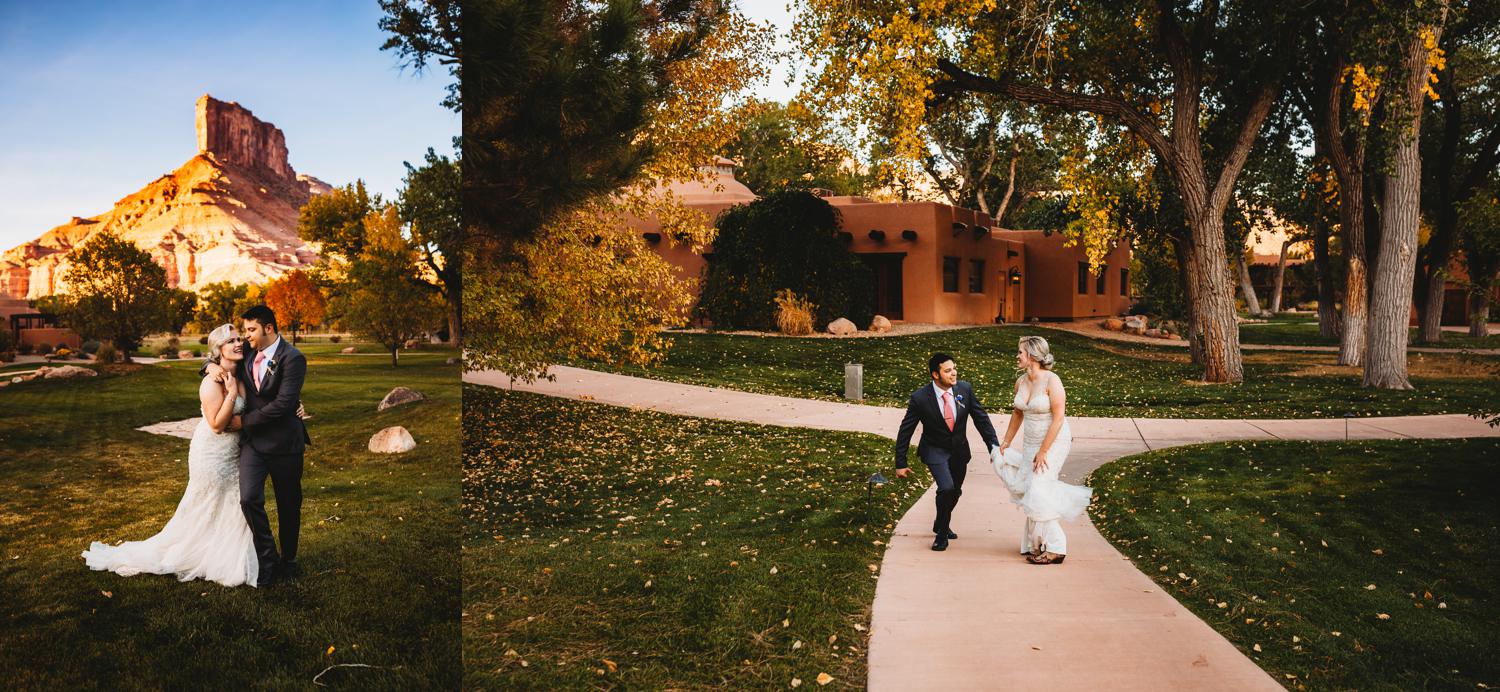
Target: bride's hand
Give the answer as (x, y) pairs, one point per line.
(302, 412)
(1039, 464)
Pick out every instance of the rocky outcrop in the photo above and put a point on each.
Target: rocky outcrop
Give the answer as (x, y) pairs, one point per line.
(232, 134)
(228, 214)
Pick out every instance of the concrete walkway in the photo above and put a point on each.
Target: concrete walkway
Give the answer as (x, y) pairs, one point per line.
(979, 617)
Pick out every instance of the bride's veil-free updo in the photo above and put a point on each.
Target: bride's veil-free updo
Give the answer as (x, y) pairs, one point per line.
(217, 338)
(1036, 348)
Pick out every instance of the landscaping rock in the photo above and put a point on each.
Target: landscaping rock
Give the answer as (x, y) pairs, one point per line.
(399, 396)
(392, 440)
(347, 350)
(1175, 337)
(1153, 333)
(185, 355)
(1135, 322)
(842, 327)
(410, 344)
(452, 360)
(1114, 324)
(63, 372)
(880, 324)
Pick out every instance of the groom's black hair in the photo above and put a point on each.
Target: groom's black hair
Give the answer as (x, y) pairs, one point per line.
(935, 363)
(262, 314)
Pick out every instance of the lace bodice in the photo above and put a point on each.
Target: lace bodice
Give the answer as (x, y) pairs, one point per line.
(1035, 405)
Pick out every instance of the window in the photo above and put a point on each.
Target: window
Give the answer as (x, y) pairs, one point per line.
(976, 276)
(950, 275)
(1083, 278)
(1099, 282)
(1125, 282)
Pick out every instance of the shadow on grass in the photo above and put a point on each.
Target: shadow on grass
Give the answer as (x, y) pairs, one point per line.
(379, 539)
(614, 548)
(1361, 565)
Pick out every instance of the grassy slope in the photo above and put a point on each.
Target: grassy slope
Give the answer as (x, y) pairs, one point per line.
(1276, 544)
(379, 539)
(637, 550)
(1102, 379)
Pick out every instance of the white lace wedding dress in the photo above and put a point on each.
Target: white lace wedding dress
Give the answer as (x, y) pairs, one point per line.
(1042, 496)
(207, 537)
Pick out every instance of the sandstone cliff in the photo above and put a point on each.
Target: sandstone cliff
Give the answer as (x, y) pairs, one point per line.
(227, 214)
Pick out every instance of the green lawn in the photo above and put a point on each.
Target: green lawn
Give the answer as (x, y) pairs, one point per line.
(1103, 378)
(609, 548)
(379, 539)
(1303, 333)
(1360, 565)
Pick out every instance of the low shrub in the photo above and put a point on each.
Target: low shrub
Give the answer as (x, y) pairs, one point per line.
(63, 352)
(794, 314)
(106, 353)
(90, 347)
(7, 356)
(335, 338)
(43, 349)
(25, 349)
(203, 340)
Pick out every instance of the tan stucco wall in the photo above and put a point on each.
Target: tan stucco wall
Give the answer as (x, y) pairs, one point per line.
(1052, 279)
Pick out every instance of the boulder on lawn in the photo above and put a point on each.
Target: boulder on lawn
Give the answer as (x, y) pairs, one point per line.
(63, 372)
(1114, 324)
(880, 324)
(399, 396)
(347, 350)
(842, 327)
(1153, 333)
(392, 440)
(452, 360)
(1175, 337)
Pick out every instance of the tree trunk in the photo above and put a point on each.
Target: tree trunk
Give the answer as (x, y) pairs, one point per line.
(1213, 304)
(1247, 289)
(393, 357)
(1431, 318)
(1479, 318)
(1280, 278)
(1183, 249)
(1328, 314)
(1391, 295)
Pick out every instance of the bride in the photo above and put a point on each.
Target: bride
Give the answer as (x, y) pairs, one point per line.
(207, 537)
(1039, 414)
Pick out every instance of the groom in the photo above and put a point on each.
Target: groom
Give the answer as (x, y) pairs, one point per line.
(943, 408)
(272, 442)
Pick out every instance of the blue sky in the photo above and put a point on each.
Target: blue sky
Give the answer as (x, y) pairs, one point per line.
(96, 98)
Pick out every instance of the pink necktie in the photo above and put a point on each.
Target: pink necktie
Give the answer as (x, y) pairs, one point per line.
(948, 410)
(261, 358)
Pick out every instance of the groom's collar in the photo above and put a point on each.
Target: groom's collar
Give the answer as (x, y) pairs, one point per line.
(273, 349)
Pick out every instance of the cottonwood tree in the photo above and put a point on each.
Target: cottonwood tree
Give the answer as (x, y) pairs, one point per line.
(429, 206)
(1479, 238)
(1460, 145)
(115, 293)
(1414, 34)
(1169, 72)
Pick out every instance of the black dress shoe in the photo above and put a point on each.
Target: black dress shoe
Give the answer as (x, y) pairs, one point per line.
(288, 570)
(951, 535)
(265, 577)
(940, 544)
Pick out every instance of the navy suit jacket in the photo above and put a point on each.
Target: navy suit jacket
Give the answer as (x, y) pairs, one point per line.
(270, 423)
(938, 445)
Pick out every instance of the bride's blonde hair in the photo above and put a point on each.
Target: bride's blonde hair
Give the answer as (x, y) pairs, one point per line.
(1036, 348)
(217, 338)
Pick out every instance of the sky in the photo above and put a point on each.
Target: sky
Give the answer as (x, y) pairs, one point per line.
(97, 98)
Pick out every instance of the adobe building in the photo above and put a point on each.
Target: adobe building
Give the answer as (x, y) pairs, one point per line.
(937, 263)
(30, 327)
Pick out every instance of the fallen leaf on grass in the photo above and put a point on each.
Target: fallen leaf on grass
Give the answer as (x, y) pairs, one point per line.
(824, 678)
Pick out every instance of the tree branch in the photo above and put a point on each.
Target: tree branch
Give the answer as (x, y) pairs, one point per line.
(959, 79)
(1243, 142)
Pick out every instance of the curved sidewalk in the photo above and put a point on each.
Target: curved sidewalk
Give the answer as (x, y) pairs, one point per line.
(963, 618)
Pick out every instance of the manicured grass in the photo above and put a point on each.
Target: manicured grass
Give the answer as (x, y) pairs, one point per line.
(1299, 333)
(616, 549)
(379, 539)
(1360, 565)
(1103, 378)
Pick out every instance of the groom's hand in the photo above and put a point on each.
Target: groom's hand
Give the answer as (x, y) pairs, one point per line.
(235, 423)
(901, 473)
